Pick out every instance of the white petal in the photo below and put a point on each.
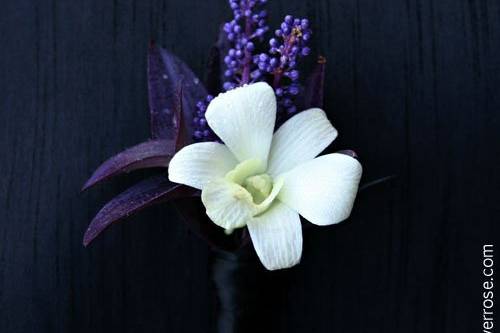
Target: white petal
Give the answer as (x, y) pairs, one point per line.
(277, 237)
(299, 140)
(196, 164)
(228, 204)
(323, 190)
(244, 119)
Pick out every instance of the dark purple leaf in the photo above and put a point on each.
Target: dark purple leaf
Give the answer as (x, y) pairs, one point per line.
(183, 137)
(313, 95)
(165, 71)
(348, 152)
(161, 97)
(146, 193)
(150, 154)
(376, 182)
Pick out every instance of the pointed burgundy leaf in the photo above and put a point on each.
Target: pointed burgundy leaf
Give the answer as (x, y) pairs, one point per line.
(146, 193)
(165, 71)
(161, 97)
(313, 95)
(182, 134)
(150, 154)
(348, 152)
(378, 181)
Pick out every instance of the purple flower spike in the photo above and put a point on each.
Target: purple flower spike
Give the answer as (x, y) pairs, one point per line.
(247, 27)
(281, 62)
(242, 66)
(201, 130)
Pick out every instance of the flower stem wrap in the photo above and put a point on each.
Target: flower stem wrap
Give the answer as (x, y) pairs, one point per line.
(249, 297)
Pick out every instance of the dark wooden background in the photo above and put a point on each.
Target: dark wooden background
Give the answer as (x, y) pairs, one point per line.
(413, 86)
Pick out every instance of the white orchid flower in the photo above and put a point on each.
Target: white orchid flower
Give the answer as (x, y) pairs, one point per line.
(264, 181)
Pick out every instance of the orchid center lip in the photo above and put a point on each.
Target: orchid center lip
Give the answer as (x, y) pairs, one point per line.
(259, 186)
(251, 177)
(245, 170)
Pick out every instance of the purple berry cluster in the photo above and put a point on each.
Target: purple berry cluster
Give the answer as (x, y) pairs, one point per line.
(281, 62)
(201, 130)
(242, 66)
(247, 27)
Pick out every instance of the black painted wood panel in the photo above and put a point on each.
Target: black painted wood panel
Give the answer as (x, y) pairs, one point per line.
(413, 87)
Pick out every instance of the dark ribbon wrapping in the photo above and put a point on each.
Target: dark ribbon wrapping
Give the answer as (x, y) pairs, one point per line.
(249, 298)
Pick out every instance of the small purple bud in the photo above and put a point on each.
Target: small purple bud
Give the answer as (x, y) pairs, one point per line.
(250, 47)
(209, 98)
(279, 92)
(306, 51)
(263, 57)
(294, 75)
(228, 85)
(291, 110)
(289, 19)
(304, 23)
(198, 134)
(294, 90)
(255, 74)
(228, 73)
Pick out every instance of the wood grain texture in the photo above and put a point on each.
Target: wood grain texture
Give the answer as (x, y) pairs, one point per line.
(413, 88)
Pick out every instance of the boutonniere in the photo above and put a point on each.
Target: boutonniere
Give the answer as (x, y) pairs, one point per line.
(263, 180)
(241, 151)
